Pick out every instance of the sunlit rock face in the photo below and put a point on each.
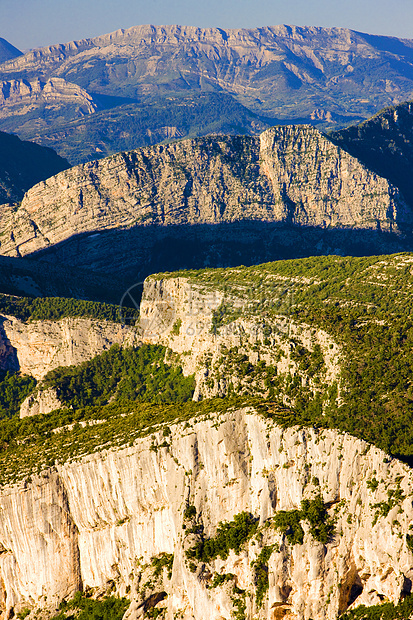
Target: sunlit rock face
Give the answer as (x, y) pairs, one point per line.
(36, 347)
(98, 522)
(288, 175)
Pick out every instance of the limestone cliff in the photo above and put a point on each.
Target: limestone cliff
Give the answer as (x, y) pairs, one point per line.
(179, 313)
(43, 401)
(290, 175)
(98, 522)
(101, 519)
(36, 347)
(20, 97)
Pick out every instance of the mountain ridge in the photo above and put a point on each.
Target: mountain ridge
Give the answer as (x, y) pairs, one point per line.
(8, 51)
(288, 176)
(23, 164)
(329, 77)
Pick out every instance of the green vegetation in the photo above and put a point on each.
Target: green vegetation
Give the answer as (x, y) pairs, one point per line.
(225, 313)
(219, 580)
(372, 484)
(163, 560)
(55, 308)
(154, 612)
(312, 510)
(176, 327)
(30, 445)
(261, 573)
(81, 607)
(14, 388)
(310, 362)
(129, 374)
(394, 498)
(366, 305)
(385, 611)
(239, 604)
(288, 522)
(125, 127)
(230, 535)
(189, 512)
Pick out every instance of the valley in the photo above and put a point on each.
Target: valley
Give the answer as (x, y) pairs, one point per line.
(206, 297)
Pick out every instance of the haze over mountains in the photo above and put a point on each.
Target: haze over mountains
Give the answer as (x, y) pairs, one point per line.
(329, 77)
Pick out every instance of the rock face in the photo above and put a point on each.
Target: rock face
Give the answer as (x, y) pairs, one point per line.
(169, 302)
(40, 402)
(331, 77)
(97, 522)
(21, 97)
(315, 71)
(289, 175)
(37, 347)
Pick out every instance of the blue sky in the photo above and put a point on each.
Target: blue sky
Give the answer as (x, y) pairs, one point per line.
(34, 23)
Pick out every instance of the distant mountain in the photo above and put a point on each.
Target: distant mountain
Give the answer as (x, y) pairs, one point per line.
(329, 77)
(385, 144)
(124, 127)
(23, 164)
(8, 51)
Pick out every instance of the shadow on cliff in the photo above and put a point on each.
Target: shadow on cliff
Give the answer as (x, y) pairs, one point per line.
(32, 278)
(128, 256)
(8, 354)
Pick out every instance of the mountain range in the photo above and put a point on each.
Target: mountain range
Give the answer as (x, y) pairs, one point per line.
(233, 440)
(330, 77)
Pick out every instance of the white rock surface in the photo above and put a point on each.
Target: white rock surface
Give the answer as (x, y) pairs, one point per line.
(39, 346)
(290, 174)
(20, 97)
(44, 401)
(98, 521)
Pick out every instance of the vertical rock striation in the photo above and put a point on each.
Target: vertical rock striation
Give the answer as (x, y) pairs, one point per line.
(98, 522)
(290, 175)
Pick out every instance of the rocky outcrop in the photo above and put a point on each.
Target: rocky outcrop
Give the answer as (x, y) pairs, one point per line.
(20, 97)
(179, 314)
(43, 401)
(290, 175)
(39, 346)
(97, 523)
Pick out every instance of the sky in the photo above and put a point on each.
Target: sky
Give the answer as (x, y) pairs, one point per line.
(27, 24)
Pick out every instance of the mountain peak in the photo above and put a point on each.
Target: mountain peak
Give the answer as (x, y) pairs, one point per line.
(8, 51)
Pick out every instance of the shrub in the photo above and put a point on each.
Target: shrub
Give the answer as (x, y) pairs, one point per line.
(81, 607)
(230, 535)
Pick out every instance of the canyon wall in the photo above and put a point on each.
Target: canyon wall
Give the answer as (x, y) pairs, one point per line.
(36, 347)
(97, 523)
(289, 175)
